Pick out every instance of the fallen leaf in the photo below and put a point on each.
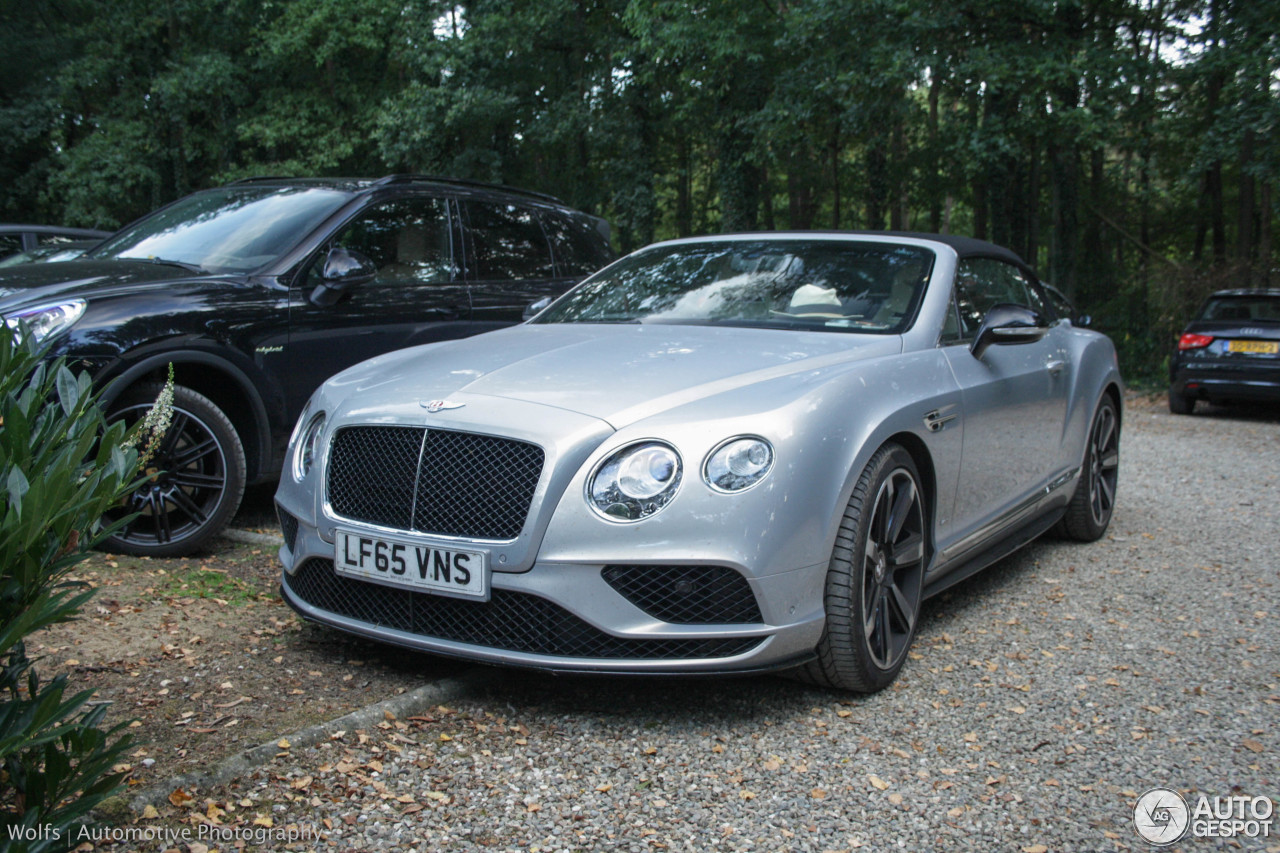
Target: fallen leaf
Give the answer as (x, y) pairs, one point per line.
(283, 743)
(1252, 745)
(1035, 848)
(877, 783)
(818, 794)
(896, 799)
(302, 784)
(180, 797)
(263, 820)
(150, 813)
(605, 788)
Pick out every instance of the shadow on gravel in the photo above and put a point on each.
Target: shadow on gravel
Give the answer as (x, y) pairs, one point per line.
(701, 701)
(1247, 412)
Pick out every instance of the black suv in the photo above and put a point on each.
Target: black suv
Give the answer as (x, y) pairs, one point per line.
(258, 291)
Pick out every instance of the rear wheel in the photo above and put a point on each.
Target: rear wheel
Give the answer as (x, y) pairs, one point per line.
(196, 480)
(875, 579)
(1181, 404)
(1091, 506)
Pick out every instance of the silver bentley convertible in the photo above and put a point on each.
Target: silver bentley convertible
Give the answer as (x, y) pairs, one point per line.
(717, 455)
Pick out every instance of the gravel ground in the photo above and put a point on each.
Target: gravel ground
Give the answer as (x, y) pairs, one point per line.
(1042, 698)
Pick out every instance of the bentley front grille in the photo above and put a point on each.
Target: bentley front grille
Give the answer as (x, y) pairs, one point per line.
(433, 481)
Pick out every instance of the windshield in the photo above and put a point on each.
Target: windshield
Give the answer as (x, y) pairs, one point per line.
(1262, 308)
(824, 285)
(231, 229)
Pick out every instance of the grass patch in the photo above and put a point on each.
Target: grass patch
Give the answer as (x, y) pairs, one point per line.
(208, 583)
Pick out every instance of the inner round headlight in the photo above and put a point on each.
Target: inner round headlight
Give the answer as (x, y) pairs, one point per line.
(635, 482)
(738, 464)
(308, 447)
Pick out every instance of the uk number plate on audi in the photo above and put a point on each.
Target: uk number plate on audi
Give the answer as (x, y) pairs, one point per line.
(411, 564)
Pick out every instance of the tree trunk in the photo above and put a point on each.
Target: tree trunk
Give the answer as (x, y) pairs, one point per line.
(1264, 235)
(1066, 218)
(1244, 212)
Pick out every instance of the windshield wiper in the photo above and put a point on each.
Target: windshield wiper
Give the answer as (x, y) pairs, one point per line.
(196, 268)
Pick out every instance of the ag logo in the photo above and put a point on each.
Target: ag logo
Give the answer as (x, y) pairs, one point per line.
(434, 406)
(1161, 816)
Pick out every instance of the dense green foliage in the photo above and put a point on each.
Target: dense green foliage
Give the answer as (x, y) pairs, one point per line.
(1127, 148)
(60, 468)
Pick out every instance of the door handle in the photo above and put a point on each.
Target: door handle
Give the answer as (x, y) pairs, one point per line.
(1054, 366)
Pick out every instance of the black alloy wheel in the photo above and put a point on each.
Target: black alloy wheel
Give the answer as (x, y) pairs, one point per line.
(876, 578)
(194, 479)
(1089, 513)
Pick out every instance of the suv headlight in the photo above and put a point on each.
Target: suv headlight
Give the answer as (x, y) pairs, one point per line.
(46, 320)
(738, 464)
(635, 482)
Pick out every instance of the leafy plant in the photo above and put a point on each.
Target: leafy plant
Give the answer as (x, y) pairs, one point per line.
(61, 467)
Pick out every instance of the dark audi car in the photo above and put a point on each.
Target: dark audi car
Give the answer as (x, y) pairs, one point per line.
(1229, 352)
(258, 291)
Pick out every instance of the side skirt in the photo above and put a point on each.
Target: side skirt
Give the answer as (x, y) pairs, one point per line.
(1001, 548)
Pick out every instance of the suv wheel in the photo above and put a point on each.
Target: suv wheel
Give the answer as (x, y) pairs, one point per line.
(195, 478)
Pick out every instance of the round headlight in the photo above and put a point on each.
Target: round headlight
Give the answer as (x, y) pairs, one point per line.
(738, 464)
(308, 447)
(635, 482)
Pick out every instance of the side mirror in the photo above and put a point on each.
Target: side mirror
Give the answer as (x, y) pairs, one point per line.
(343, 270)
(1084, 321)
(1008, 324)
(535, 308)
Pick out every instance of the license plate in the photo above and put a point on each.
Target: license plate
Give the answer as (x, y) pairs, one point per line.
(400, 562)
(1262, 347)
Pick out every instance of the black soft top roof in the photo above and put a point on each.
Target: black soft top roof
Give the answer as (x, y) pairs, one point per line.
(965, 247)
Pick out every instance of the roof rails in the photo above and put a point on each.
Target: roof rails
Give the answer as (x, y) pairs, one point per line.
(408, 179)
(464, 182)
(252, 179)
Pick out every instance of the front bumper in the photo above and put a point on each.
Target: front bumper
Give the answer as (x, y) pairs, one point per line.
(556, 616)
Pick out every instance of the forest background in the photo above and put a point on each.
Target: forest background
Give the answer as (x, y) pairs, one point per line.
(1128, 149)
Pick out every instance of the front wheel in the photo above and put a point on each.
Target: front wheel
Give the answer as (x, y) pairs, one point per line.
(1089, 512)
(195, 477)
(875, 578)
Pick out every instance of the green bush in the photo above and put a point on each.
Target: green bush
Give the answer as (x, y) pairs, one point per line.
(61, 467)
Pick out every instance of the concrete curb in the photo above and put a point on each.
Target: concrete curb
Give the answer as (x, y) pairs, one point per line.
(406, 704)
(248, 537)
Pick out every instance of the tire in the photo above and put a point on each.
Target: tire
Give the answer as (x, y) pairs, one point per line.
(198, 475)
(1181, 404)
(875, 579)
(1089, 512)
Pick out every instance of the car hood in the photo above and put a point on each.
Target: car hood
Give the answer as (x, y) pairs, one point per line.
(32, 283)
(616, 373)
